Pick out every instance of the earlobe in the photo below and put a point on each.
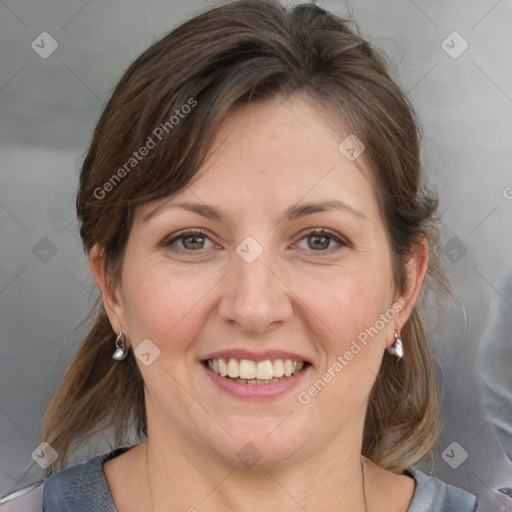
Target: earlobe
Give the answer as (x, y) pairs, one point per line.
(111, 302)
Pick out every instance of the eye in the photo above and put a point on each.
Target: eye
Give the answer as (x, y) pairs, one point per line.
(319, 240)
(190, 241)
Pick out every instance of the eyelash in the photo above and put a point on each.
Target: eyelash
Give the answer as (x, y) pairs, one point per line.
(321, 231)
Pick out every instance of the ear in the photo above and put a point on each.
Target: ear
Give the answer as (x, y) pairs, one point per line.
(416, 270)
(113, 306)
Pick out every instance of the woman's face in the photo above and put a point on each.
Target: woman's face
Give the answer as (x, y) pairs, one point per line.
(260, 288)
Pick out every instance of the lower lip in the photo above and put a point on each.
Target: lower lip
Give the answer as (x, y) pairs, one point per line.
(256, 391)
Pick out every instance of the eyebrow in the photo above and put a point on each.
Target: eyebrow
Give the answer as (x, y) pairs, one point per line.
(293, 213)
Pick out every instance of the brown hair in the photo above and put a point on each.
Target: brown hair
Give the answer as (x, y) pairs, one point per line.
(248, 50)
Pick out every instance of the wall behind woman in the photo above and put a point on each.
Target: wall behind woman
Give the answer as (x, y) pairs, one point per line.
(60, 61)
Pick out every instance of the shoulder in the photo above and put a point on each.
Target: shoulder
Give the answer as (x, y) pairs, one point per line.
(432, 495)
(81, 487)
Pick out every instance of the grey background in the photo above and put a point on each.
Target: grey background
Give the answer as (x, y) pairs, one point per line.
(48, 109)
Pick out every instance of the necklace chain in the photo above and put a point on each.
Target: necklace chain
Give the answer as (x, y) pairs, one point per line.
(151, 490)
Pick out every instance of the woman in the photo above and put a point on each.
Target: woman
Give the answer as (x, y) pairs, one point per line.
(253, 214)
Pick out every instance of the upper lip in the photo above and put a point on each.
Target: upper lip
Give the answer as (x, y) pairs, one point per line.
(241, 353)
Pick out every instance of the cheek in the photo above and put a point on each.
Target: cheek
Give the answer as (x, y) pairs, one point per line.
(162, 304)
(350, 303)
(354, 344)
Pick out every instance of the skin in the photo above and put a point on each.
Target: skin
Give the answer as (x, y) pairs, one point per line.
(267, 157)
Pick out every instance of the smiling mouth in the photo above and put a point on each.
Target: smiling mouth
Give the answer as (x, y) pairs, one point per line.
(246, 371)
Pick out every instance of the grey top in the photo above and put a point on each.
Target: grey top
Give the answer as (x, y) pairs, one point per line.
(83, 488)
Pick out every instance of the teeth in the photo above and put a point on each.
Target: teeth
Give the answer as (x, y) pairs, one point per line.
(278, 368)
(264, 370)
(223, 368)
(288, 367)
(233, 368)
(247, 369)
(251, 372)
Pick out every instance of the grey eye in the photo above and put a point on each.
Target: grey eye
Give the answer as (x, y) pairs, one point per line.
(317, 242)
(194, 241)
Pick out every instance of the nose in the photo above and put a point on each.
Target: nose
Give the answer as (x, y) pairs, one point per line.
(255, 297)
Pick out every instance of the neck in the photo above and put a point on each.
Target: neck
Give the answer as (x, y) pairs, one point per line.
(193, 479)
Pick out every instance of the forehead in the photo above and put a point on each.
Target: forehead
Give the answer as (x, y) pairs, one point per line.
(275, 153)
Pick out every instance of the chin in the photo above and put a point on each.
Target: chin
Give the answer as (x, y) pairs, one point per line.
(268, 446)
